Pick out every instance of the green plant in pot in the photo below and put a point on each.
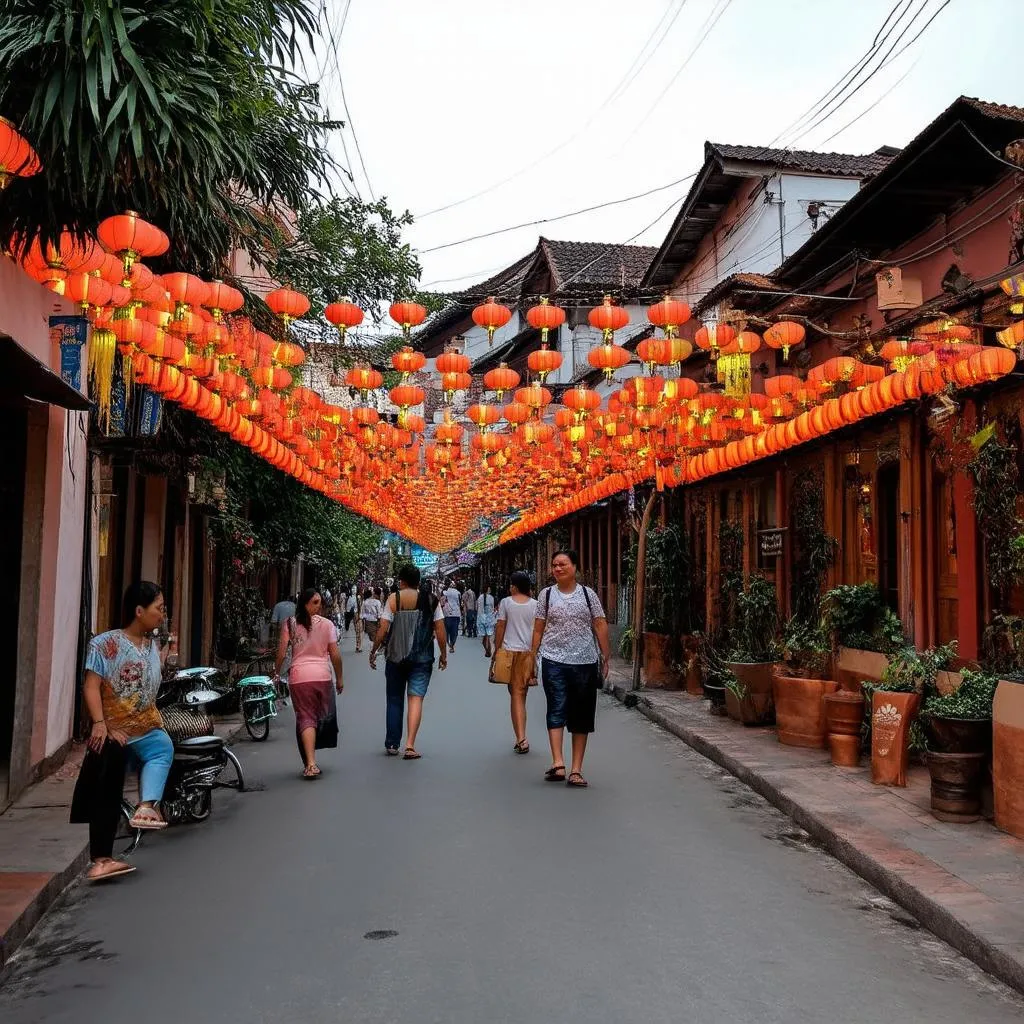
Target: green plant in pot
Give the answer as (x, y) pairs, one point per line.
(856, 616)
(958, 733)
(716, 677)
(805, 649)
(752, 653)
(666, 605)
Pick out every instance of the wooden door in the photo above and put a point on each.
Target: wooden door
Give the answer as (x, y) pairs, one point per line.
(944, 558)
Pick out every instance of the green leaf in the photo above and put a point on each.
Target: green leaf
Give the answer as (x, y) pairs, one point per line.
(92, 91)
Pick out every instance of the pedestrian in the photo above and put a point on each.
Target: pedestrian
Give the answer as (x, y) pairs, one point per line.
(370, 615)
(469, 610)
(351, 609)
(122, 675)
(513, 633)
(313, 643)
(451, 602)
(281, 613)
(485, 618)
(410, 621)
(357, 621)
(571, 637)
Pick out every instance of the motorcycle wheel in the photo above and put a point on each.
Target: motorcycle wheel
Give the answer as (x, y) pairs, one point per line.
(260, 729)
(238, 782)
(200, 804)
(126, 838)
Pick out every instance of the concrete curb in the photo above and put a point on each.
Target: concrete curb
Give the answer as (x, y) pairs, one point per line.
(19, 930)
(938, 919)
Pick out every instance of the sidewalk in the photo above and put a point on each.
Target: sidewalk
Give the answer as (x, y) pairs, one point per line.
(41, 854)
(965, 883)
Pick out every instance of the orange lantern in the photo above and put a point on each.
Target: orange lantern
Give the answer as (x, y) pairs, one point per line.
(454, 381)
(608, 357)
(669, 314)
(544, 361)
(407, 361)
(492, 316)
(582, 401)
(714, 337)
(288, 304)
(405, 396)
(608, 319)
(544, 318)
(784, 335)
(484, 416)
(501, 380)
(452, 362)
(131, 238)
(365, 379)
(17, 157)
(407, 315)
(344, 315)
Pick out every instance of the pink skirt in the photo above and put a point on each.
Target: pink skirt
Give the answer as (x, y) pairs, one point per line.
(311, 701)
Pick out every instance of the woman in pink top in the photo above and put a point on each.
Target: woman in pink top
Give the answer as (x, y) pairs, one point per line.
(313, 640)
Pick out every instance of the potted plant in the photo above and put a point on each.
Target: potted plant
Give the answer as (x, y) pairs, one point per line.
(894, 705)
(666, 605)
(862, 629)
(958, 732)
(753, 652)
(716, 676)
(799, 682)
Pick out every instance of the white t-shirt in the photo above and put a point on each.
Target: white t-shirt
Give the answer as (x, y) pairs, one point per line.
(350, 604)
(518, 619)
(485, 605)
(387, 615)
(568, 633)
(452, 603)
(371, 609)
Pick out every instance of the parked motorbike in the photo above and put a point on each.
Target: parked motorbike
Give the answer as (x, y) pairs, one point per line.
(178, 684)
(201, 759)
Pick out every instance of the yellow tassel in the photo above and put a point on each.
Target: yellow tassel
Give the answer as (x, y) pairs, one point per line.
(102, 349)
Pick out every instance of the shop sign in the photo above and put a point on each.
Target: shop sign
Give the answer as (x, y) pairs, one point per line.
(769, 543)
(70, 333)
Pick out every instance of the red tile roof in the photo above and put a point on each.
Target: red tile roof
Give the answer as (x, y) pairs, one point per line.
(843, 164)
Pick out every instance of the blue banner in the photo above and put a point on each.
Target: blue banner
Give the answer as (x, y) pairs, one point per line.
(70, 333)
(150, 413)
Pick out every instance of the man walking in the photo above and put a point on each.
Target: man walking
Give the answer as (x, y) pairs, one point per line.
(469, 611)
(451, 603)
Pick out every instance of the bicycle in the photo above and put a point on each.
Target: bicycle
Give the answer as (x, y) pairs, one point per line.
(258, 701)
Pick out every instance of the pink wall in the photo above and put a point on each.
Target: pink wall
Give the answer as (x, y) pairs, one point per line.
(25, 308)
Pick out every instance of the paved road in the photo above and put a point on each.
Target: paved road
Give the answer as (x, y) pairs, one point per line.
(666, 892)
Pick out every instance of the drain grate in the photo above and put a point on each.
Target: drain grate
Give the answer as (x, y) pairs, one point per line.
(381, 933)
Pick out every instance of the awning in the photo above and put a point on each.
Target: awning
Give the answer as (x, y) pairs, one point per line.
(23, 376)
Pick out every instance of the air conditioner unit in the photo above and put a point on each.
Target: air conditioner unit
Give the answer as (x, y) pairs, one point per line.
(896, 291)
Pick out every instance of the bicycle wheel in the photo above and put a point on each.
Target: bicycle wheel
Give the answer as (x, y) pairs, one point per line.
(257, 721)
(126, 839)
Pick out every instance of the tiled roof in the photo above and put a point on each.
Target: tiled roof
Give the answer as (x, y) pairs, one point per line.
(577, 265)
(1000, 110)
(847, 164)
(732, 283)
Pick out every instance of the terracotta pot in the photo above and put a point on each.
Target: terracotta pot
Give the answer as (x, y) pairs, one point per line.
(844, 715)
(658, 671)
(956, 785)
(1008, 758)
(866, 664)
(799, 709)
(716, 696)
(959, 735)
(891, 717)
(757, 706)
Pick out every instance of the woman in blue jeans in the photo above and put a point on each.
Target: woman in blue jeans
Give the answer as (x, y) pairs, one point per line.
(409, 624)
(571, 637)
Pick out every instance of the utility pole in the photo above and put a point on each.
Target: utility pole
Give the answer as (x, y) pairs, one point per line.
(638, 595)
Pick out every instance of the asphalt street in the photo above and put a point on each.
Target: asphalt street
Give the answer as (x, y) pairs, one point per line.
(462, 888)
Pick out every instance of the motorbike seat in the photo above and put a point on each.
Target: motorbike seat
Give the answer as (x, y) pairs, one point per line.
(200, 745)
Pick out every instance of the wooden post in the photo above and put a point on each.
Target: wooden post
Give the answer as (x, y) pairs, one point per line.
(638, 598)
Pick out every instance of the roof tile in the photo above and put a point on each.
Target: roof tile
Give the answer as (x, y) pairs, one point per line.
(863, 166)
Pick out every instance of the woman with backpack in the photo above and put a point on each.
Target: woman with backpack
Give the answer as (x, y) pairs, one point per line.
(571, 637)
(410, 623)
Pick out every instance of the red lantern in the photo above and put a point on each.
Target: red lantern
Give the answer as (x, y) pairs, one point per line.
(544, 318)
(669, 314)
(17, 157)
(452, 362)
(221, 298)
(408, 362)
(407, 315)
(131, 238)
(784, 335)
(544, 361)
(288, 304)
(608, 319)
(492, 316)
(608, 357)
(344, 315)
(501, 380)
(714, 337)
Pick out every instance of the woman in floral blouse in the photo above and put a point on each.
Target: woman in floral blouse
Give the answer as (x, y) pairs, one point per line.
(122, 675)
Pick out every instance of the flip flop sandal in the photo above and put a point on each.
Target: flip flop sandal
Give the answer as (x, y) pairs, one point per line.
(411, 755)
(311, 772)
(522, 748)
(555, 774)
(124, 869)
(147, 823)
(580, 784)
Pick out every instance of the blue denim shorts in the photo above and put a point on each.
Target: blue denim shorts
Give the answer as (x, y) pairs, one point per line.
(571, 692)
(415, 676)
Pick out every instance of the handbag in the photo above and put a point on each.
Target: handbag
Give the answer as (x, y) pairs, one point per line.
(327, 727)
(501, 667)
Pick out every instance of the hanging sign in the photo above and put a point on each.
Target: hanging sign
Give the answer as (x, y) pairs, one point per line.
(150, 414)
(70, 333)
(769, 542)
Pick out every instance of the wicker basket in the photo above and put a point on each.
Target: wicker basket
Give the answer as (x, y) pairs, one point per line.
(184, 723)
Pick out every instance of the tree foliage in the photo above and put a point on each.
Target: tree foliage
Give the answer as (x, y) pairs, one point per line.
(185, 110)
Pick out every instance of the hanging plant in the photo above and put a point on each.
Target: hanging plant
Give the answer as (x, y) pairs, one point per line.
(996, 477)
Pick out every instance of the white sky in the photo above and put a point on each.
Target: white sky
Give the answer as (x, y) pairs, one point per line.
(448, 97)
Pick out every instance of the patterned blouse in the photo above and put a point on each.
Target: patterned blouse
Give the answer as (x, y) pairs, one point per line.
(130, 680)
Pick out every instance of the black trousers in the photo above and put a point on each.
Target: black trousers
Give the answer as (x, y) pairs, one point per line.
(97, 797)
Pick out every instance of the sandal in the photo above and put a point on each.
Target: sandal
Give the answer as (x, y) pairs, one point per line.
(147, 818)
(119, 868)
(411, 755)
(522, 747)
(556, 773)
(580, 783)
(311, 771)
